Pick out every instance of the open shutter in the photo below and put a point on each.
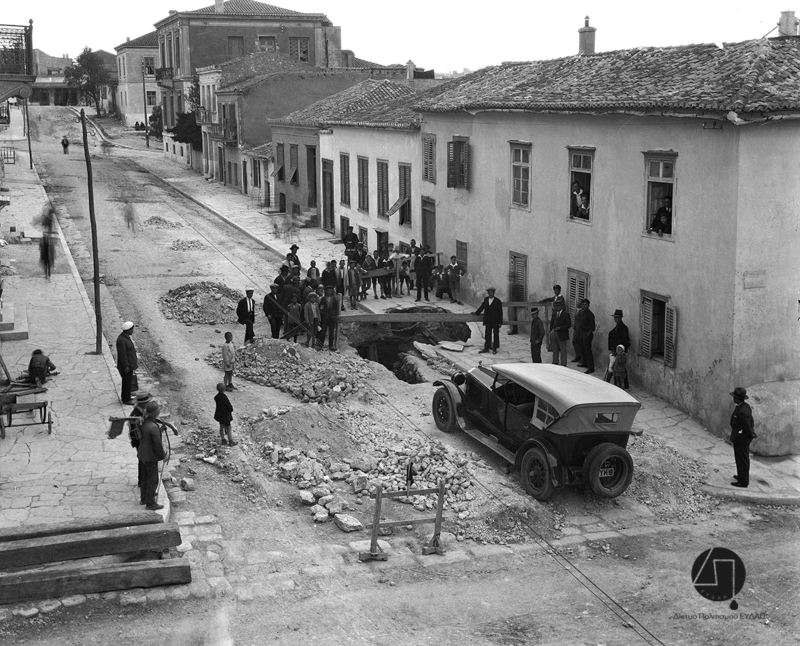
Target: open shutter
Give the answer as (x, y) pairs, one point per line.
(646, 324)
(572, 294)
(427, 159)
(670, 335)
(581, 291)
(451, 164)
(403, 182)
(382, 188)
(464, 179)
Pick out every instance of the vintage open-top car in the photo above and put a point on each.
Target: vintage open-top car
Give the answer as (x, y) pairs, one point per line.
(557, 426)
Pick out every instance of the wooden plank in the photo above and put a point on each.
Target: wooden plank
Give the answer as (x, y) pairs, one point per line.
(74, 526)
(402, 523)
(81, 545)
(409, 317)
(406, 493)
(60, 582)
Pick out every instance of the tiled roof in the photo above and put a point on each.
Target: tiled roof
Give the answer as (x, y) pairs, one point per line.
(264, 151)
(370, 102)
(750, 76)
(253, 8)
(148, 40)
(253, 68)
(360, 62)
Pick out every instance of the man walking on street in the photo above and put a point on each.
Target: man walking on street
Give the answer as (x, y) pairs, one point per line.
(559, 332)
(150, 452)
(126, 361)
(492, 310)
(537, 336)
(742, 434)
(586, 331)
(246, 313)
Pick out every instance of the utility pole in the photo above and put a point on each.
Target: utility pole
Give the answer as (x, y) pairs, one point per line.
(95, 258)
(146, 121)
(28, 132)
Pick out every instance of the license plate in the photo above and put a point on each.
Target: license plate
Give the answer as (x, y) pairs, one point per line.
(606, 473)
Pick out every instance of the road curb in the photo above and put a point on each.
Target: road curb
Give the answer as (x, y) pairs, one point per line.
(758, 497)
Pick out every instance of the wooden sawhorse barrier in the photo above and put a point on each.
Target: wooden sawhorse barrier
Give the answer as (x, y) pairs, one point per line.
(433, 546)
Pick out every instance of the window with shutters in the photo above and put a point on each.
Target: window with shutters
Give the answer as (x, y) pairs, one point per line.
(278, 173)
(577, 289)
(266, 44)
(293, 171)
(177, 55)
(659, 217)
(517, 277)
(151, 98)
(429, 158)
(659, 328)
(363, 184)
(458, 163)
(581, 167)
(298, 49)
(363, 232)
(521, 175)
(344, 179)
(403, 203)
(383, 188)
(461, 256)
(256, 170)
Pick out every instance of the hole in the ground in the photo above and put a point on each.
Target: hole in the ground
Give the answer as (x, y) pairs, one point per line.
(392, 344)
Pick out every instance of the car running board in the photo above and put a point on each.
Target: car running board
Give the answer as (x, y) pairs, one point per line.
(492, 443)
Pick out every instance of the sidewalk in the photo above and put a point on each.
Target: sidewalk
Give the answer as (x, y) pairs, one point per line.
(773, 480)
(75, 473)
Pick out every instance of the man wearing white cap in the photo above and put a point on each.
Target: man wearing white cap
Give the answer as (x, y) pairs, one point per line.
(126, 360)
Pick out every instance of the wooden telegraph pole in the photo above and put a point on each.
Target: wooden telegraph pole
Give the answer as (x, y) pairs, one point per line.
(146, 119)
(95, 258)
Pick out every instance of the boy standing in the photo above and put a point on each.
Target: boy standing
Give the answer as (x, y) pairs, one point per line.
(228, 360)
(224, 415)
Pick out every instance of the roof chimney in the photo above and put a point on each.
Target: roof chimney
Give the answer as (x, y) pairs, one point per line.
(788, 24)
(410, 67)
(586, 38)
(127, 39)
(219, 6)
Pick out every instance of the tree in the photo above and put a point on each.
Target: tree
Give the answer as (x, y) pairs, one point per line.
(88, 75)
(193, 96)
(156, 123)
(187, 131)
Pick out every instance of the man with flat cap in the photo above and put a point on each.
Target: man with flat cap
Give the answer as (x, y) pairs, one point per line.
(537, 335)
(246, 314)
(127, 361)
(742, 434)
(492, 310)
(273, 310)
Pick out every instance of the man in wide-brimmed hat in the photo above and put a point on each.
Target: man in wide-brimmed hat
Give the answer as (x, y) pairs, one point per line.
(618, 335)
(292, 257)
(742, 434)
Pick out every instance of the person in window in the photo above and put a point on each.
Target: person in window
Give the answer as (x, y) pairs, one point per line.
(575, 199)
(583, 208)
(662, 222)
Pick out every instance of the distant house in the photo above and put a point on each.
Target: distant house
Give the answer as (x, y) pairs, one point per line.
(711, 296)
(136, 70)
(50, 86)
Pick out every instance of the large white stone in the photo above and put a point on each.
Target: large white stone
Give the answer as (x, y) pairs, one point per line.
(347, 523)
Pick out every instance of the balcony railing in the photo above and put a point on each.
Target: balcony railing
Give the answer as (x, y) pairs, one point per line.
(16, 49)
(225, 131)
(204, 116)
(164, 74)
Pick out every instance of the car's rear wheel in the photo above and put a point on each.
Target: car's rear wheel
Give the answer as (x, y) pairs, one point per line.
(444, 413)
(535, 472)
(608, 470)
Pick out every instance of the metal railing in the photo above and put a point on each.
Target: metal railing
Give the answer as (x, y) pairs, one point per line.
(225, 131)
(164, 74)
(204, 116)
(16, 49)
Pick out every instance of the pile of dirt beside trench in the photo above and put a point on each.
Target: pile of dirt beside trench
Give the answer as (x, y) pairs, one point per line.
(203, 302)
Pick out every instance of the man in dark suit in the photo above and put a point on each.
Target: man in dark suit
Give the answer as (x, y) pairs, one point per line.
(127, 361)
(492, 310)
(329, 311)
(586, 330)
(619, 335)
(273, 310)
(559, 332)
(742, 433)
(246, 314)
(150, 452)
(423, 266)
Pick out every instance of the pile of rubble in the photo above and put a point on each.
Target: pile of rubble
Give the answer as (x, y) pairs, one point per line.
(158, 222)
(187, 245)
(203, 302)
(306, 374)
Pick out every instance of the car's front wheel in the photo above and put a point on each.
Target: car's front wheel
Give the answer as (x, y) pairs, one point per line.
(444, 413)
(608, 470)
(535, 472)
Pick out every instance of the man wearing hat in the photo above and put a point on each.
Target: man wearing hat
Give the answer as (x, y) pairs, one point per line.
(329, 311)
(246, 314)
(537, 335)
(150, 451)
(294, 261)
(127, 361)
(742, 434)
(552, 299)
(492, 309)
(617, 336)
(559, 331)
(273, 310)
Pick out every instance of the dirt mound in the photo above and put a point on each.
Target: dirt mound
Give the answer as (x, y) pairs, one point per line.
(307, 374)
(187, 245)
(157, 222)
(203, 302)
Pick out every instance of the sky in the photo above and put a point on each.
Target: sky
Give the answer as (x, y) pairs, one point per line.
(444, 35)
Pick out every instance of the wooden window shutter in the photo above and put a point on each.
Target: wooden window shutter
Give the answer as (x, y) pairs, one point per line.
(572, 294)
(581, 289)
(428, 170)
(645, 343)
(451, 164)
(670, 334)
(464, 164)
(403, 181)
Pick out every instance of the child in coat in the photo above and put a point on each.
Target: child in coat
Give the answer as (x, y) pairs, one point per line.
(294, 317)
(223, 413)
(228, 360)
(621, 368)
(353, 283)
(312, 321)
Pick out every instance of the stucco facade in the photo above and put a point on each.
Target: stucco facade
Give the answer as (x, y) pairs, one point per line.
(726, 269)
(136, 69)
